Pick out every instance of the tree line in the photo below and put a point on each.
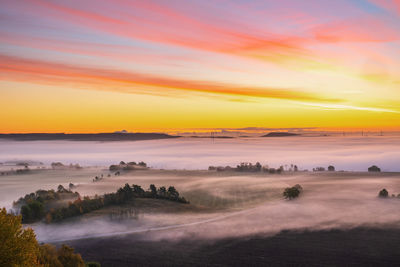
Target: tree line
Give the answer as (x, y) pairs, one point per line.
(35, 208)
(130, 166)
(250, 167)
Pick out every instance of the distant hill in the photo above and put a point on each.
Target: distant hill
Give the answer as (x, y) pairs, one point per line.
(279, 134)
(87, 137)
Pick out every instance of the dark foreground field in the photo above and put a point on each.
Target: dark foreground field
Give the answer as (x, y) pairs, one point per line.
(356, 247)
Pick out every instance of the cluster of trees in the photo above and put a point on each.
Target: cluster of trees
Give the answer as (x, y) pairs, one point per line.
(19, 247)
(34, 206)
(374, 168)
(385, 194)
(322, 169)
(123, 195)
(220, 168)
(130, 166)
(249, 167)
(292, 192)
(59, 165)
(331, 168)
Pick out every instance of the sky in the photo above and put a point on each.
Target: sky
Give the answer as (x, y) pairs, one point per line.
(101, 66)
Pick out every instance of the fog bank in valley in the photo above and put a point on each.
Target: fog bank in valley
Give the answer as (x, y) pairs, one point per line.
(255, 207)
(346, 153)
(227, 204)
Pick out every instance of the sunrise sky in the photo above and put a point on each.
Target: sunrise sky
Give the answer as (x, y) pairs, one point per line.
(101, 66)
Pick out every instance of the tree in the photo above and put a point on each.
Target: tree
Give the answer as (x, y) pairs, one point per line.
(26, 213)
(173, 193)
(292, 192)
(18, 246)
(258, 166)
(68, 258)
(48, 256)
(143, 164)
(153, 189)
(298, 187)
(280, 169)
(383, 193)
(137, 189)
(61, 189)
(374, 168)
(162, 191)
(37, 210)
(331, 168)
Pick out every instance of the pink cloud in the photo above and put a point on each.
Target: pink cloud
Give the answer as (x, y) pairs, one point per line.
(36, 71)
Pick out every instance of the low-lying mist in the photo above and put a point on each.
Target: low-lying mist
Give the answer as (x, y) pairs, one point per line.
(225, 204)
(345, 152)
(251, 205)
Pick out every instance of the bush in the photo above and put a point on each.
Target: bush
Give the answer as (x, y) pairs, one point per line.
(383, 193)
(292, 192)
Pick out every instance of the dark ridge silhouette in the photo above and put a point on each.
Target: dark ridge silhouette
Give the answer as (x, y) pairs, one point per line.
(87, 137)
(279, 134)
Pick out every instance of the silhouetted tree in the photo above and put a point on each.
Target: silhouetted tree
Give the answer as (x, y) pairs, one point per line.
(153, 189)
(173, 193)
(331, 168)
(143, 164)
(137, 189)
(258, 166)
(374, 168)
(383, 193)
(292, 192)
(162, 191)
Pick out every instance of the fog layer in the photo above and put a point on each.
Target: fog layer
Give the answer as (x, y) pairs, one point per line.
(346, 153)
(243, 205)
